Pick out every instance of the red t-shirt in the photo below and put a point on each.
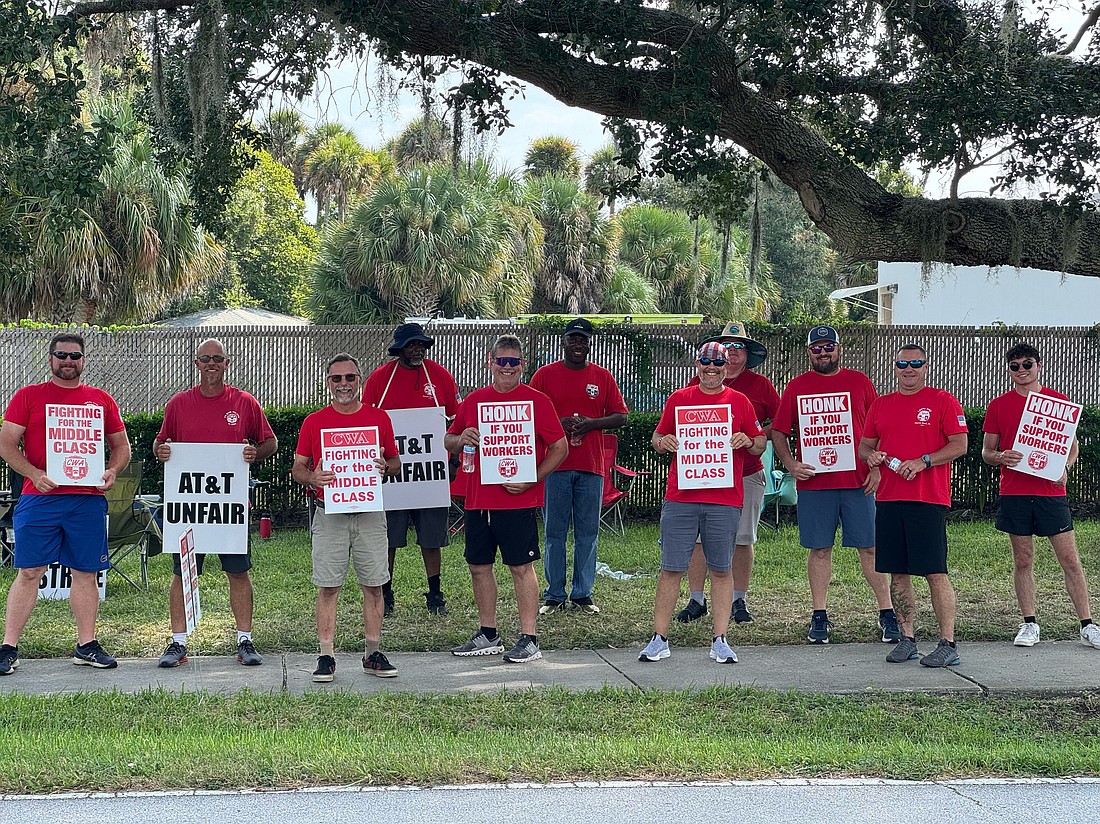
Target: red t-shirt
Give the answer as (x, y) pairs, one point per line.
(862, 392)
(234, 416)
(309, 439)
(1003, 418)
(908, 426)
(28, 409)
(547, 431)
(765, 402)
(590, 392)
(411, 388)
(744, 420)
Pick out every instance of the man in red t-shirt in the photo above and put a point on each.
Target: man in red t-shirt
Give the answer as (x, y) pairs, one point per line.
(1030, 505)
(916, 432)
(709, 506)
(214, 412)
(743, 354)
(55, 522)
(338, 537)
(502, 514)
(587, 401)
(827, 499)
(411, 381)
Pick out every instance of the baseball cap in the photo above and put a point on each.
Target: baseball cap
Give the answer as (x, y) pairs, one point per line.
(822, 334)
(580, 326)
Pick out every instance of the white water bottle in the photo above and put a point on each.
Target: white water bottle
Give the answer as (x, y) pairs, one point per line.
(468, 458)
(893, 463)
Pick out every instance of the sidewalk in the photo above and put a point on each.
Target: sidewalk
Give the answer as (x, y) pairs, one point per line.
(1050, 668)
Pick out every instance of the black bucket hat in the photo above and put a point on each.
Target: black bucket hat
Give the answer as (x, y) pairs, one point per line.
(405, 334)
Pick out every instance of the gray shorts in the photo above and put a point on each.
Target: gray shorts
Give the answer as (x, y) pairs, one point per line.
(715, 525)
(821, 510)
(751, 509)
(357, 536)
(431, 527)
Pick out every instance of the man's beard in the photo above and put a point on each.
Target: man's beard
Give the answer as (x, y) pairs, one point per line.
(826, 367)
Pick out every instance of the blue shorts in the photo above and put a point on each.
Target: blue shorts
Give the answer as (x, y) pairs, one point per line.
(821, 510)
(70, 529)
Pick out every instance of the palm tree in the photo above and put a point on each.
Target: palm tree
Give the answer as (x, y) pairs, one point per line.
(281, 134)
(335, 169)
(629, 293)
(603, 174)
(552, 155)
(424, 142)
(662, 245)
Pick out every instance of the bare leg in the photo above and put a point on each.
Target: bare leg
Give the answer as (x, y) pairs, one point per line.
(819, 569)
(240, 599)
(743, 556)
(901, 588)
(372, 613)
(721, 592)
(1023, 574)
(175, 605)
(697, 570)
(526, 584)
(433, 561)
(22, 596)
(327, 598)
(484, 584)
(84, 602)
(878, 581)
(1065, 550)
(943, 603)
(668, 590)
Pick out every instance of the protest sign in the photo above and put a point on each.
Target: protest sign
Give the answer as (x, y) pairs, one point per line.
(826, 433)
(206, 490)
(507, 442)
(189, 572)
(704, 459)
(424, 482)
(1046, 433)
(57, 583)
(74, 444)
(351, 454)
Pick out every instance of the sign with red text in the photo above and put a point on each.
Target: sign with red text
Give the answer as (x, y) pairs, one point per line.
(189, 572)
(424, 481)
(74, 444)
(351, 453)
(826, 434)
(1046, 434)
(206, 490)
(507, 451)
(704, 459)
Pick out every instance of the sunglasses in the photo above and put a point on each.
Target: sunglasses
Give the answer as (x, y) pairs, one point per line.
(352, 378)
(1016, 366)
(208, 358)
(909, 364)
(734, 345)
(68, 355)
(510, 362)
(825, 347)
(719, 362)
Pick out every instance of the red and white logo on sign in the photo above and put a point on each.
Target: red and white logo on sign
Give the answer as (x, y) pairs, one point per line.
(75, 468)
(508, 468)
(1037, 460)
(828, 456)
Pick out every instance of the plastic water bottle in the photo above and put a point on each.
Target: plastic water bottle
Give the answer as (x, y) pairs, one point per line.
(574, 439)
(893, 463)
(468, 458)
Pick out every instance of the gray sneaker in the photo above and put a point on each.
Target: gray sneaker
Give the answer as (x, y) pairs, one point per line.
(905, 650)
(944, 655)
(479, 645)
(720, 651)
(655, 650)
(175, 655)
(526, 649)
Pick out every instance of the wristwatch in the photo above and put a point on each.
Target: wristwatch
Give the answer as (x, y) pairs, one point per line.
(927, 461)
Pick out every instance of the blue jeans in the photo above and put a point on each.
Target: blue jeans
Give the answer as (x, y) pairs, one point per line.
(574, 496)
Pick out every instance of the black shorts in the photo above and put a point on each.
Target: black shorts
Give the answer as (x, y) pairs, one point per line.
(910, 538)
(514, 531)
(1042, 515)
(235, 563)
(431, 527)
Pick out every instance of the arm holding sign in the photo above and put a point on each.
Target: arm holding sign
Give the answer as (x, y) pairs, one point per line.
(10, 435)
(119, 443)
(555, 454)
(261, 451)
(301, 472)
(801, 471)
(994, 456)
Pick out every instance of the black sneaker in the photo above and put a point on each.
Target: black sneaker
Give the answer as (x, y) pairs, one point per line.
(380, 665)
(387, 605)
(819, 629)
(437, 604)
(247, 655)
(888, 623)
(526, 649)
(93, 655)
(692, 612)
(9, 659)
(741, 614)
(326, 669)
(175, 655)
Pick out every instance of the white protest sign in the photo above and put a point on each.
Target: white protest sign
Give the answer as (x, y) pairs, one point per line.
(57, 583)
(351, 453)
(189, 572)
(74, 444)
(704, 459)
(1045, 436)
(826, 433)
(424, 482)
(507, 442)
(206, 490)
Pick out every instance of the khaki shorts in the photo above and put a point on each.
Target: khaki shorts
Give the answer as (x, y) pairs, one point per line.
(358, 537)
(750, 510)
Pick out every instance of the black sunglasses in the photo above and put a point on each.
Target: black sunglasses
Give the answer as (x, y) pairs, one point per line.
(512, 362)
(352, 378)
(719, 362)
(909, 364)
(68, 355)
(825, 347)
(1015, 366)
(208, 358)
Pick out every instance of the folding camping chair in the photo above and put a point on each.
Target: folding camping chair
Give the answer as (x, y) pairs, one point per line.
(779, 487)
(7, 520)
(132, 524)
(617, 483)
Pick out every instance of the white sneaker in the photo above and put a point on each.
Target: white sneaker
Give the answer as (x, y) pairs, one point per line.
(1090, 636)
(1028, 636)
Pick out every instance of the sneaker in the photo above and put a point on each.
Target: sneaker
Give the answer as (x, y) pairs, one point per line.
(9, 659)
(819, 629)
(175, 655)
(526, 649)
(740, 614)
(380, 665)
(247, 655)
(1090, 636)
(585, 605)
(656, 649)
(437, 604)
(944, 655)
(387, 605)
(326, 669)
(93, 655)
(906, 650)
(692, 612)
(720, 651)
(550, 607)
(480, 645)
(1028, 636)
(891, 632)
